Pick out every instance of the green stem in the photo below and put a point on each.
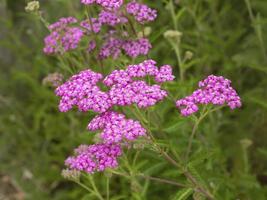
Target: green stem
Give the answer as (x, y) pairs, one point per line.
(95, 36)
(177, 46)
(84, 186)
(173, 15)
(257, 27)
(94, 187)
(179, 60)
(178, 165)
(107, 188)
(157, 179)
(194, 130)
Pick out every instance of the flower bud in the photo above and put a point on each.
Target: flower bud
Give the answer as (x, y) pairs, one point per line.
(139, 146)
(245, 143)
(54, 79)
(71, 174)
(32, 6)
(108, 174)
(172, 34)
(188, 55)
(147, 31)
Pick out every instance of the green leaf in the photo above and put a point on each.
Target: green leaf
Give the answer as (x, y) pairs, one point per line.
(198, 158)
(183, 194)
(198, 196)
(195, 174)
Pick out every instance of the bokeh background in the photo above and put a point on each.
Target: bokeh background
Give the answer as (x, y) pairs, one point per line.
(227, 37)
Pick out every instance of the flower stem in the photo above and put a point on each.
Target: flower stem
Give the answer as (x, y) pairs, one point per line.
(157, 179)
(107, 187)
(94, 187)
(194, 130)
(257, 27)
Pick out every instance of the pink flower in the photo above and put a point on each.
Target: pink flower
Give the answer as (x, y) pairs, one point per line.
(214, 90)
(141, 12)
(94, 158)
(116, 128)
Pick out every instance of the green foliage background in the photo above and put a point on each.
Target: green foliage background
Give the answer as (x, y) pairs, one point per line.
(227, 38)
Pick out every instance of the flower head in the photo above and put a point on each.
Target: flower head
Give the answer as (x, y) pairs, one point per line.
(81, 91)
(94, 158)
(107, 4)
(32, 6)
(141, 12)
(111, 18)
(91, 25)
(63, 36)
(116, 128)
(214, 90)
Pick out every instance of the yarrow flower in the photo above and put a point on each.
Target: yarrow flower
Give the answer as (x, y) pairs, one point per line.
(81, 91)
(91, 25)
(133, 48)
(111, 48)
(94, 158)
(214, 90)
(67, 33)
(62, 23)
(125, 90)
(63, 37)
(91, 46)
(116, 128)
(111, 18)
(136, 92)
(146, 68)
(108, 4)
(142, 13)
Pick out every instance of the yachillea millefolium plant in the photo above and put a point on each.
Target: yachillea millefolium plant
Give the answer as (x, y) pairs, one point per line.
(118, 32)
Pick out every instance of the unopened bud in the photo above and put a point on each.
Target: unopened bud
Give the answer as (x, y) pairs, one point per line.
(32, 6)
(172, 34)
(71, 174)
(54, 79)
(188, 55)
(146, 32)
(245, 143)
(108, 174)
(139, 146)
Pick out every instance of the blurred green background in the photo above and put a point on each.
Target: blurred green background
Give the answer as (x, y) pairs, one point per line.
(227, 37)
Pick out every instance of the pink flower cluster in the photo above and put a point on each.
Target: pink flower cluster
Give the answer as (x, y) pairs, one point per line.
(146, 68)
(116, 128)
(67, 33)
(107, 4)
(111, 18)
(92, 24)
(142, 13)
(136, 92)
(133, 48)
(214, 90)
(81, 90)
(96, 157)
(63, 37)
(125, 90)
